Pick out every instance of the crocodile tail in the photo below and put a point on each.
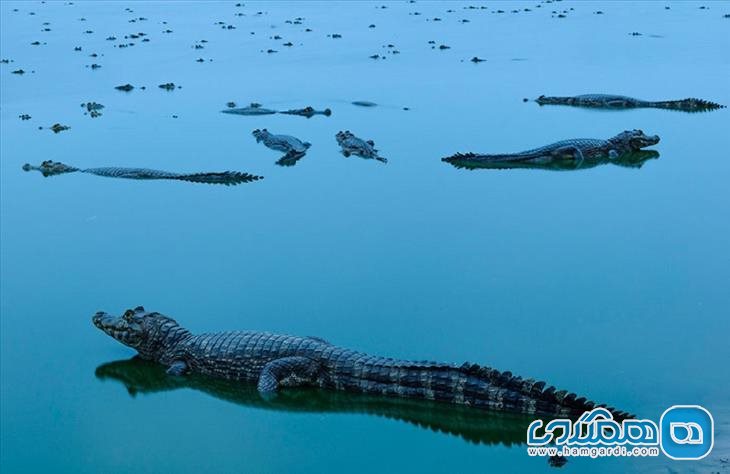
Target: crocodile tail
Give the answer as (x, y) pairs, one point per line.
(690, 104)
(456, 157)
(227, 178)
(534, 397)
(469, 384)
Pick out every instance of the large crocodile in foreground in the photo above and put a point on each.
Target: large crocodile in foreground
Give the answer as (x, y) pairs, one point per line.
(577, 149)
(609, 101)
(228, 178)
(273, 361)
(632, 159)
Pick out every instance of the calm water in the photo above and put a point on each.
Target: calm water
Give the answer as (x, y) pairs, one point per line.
(524, 270)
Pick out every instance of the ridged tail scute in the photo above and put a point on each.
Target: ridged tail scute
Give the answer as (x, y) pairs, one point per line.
(226, 178)
(547, 400)
(455, 158)
(690, 104)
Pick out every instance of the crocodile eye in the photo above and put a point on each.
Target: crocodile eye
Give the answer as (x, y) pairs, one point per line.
(128, 315)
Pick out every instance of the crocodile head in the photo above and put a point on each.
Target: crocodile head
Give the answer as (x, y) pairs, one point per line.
(137, 328)
(260, 134)
(50, 168)
(635, 140)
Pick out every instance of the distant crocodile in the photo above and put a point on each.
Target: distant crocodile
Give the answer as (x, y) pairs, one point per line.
(292, 147)
(608, 101)
(228, 178)
(275, 361)
(632, 159)
(352, 145)
(308, 112)
(257, 109)
(577, 149)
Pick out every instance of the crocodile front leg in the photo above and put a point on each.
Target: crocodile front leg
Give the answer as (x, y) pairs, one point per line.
(287, 372)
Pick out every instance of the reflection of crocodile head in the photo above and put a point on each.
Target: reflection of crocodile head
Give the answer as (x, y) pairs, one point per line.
(50, 168)
(634, 159)
(481, 427)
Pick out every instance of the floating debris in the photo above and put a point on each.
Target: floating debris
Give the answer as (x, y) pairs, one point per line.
(168, 86)
(125, 88)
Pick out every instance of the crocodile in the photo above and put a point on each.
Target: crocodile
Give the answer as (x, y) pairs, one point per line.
(257, 109)
(253, 109)
(228, 178)
(352, 145)
(578, 150)
(275, 361)
(609, 101)
(294, 149)
(632, 159)
(308, 112)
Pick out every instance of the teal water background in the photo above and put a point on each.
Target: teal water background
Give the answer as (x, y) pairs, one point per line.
(610, 282)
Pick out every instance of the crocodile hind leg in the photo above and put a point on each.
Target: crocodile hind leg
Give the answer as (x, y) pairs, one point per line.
(570, 151)
(179, 367)
(292, 371)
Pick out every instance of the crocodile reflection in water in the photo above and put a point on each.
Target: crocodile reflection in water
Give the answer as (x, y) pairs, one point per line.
(481, 427)
(635, 159)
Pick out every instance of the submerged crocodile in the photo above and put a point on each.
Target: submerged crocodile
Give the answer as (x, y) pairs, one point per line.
(578, 150)
(308, 112)
(293, 148)
(228, 178)
(352, 145)
(608, 101)
(632, 159)
(257, 109)
(273, 361)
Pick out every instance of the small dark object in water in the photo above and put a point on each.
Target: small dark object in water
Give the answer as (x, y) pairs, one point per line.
(289, 44)
(477, 60)
(364, 103)
(94, 66)
(374, 56)
(57, 127)
(18, 71)
(24, 117)
(271, 51)
(557, 461)
(125, 87)
(335, 36)
(371, 26)
(443, 46)
(525, 99)
(77, 48)
(635, 33)
(230, 105)
(168, 86)
(35, 43)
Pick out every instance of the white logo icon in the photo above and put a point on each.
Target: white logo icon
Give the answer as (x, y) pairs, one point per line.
(692, 433)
